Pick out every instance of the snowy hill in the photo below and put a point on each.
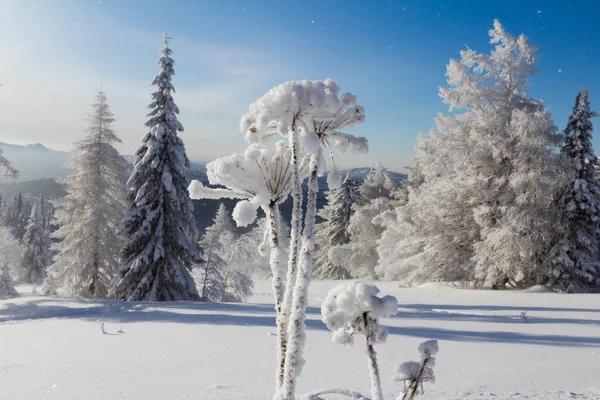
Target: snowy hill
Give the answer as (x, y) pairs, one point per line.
(224, 351)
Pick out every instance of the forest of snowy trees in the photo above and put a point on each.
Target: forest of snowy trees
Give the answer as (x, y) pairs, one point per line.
(498, 197)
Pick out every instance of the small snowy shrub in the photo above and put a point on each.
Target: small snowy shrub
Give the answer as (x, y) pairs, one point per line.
(355, 308)
(413, 373)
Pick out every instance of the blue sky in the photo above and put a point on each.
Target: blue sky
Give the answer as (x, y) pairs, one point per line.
(391, 54)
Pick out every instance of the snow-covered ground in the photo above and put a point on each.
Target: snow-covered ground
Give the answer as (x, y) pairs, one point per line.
(51, 349)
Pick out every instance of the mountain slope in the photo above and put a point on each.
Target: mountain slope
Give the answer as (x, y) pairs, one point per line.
(36, 161)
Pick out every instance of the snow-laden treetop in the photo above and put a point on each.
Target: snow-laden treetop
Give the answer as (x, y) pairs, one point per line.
(499, 77)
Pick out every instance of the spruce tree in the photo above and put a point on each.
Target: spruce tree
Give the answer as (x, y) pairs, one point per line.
(36, 244)
(86, 242)
(159, 228)
(337, 213)
(17, 216)
(577, 267)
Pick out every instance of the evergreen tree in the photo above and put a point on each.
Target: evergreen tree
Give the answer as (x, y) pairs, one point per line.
(17, 216)
(377, 184)
(359, 254)
(10, 258)
(86, 242)
(211, 274)
(577, 266)
(333, 232)
(159, 227)
(36, 244)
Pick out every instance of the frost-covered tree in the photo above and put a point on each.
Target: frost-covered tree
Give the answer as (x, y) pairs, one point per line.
(10, 259)
(377, 184)
(210, 279)
(485, 209)
(159, 227)
(359, 255)
(36, 248)
(577, 266)
(225, 274)
(334, 230)
(86, 243)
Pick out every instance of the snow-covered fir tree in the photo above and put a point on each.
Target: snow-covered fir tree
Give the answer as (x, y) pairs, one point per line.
(333, 231)
(577, 266)
(86, 243)
(36, 247)
(159, 228)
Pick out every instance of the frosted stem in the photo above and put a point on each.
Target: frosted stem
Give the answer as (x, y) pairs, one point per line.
(296, 221)
(412, 390)
(282, 318)
(276, 264)
(296, 325)
(374, 371)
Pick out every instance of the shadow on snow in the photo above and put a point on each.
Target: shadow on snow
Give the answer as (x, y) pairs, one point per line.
(233, 314)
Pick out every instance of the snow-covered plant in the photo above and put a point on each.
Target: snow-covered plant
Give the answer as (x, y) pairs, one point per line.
(320, 125)
(36, 248)
(257, 177)
(86, 243)
(413, 373)
(352, 308)
(576, 267)
(159, 228)
(315, 111)
(333, 231)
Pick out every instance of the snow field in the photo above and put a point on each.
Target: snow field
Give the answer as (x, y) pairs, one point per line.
(51, 349)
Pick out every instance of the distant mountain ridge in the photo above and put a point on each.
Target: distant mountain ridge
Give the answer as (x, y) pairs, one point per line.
(39, 166)
(36, 161)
